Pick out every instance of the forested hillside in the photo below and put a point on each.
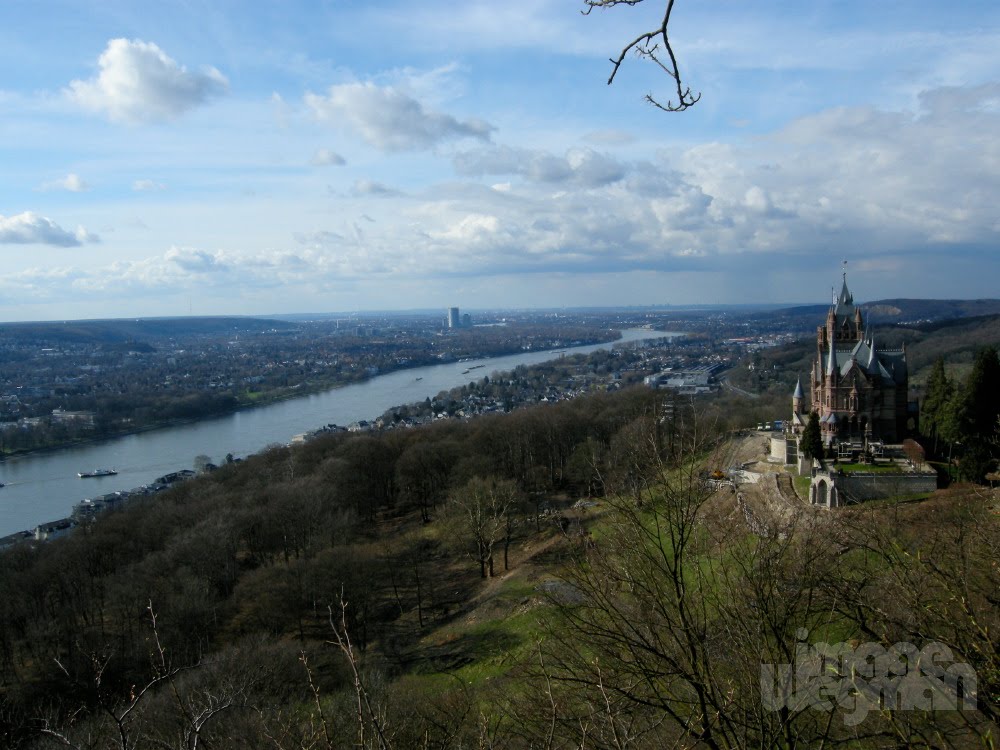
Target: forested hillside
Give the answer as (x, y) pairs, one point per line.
(441, 587)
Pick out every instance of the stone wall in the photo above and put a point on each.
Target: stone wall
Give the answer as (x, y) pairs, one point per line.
(832, 489)
(784, 450)
(869, 486)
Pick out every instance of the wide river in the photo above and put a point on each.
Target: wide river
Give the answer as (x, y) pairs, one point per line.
(43, 487)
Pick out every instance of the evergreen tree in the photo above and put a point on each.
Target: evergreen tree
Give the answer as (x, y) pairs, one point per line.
(937, 403)
(975, 414)
(980, 403)
(811, 442)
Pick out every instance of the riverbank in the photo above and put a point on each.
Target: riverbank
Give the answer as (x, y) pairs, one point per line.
(266, 399)
(44, 485)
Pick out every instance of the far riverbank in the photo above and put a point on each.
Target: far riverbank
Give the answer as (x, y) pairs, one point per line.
(41, 487)
(264, 399)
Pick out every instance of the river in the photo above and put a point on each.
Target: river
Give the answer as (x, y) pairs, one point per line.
(42, 487)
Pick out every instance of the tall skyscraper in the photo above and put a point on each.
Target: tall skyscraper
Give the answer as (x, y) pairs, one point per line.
(454, 321)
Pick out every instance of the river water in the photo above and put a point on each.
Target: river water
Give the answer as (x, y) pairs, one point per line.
(43, 487)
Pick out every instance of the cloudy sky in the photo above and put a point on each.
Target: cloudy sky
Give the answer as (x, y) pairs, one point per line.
(221, 157)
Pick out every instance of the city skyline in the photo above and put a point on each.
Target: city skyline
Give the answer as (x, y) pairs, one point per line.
(213, 160)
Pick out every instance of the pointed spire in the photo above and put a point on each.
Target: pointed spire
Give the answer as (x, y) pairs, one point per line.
(845, 297)
(871, 356)
(831, 363)
(798, 388)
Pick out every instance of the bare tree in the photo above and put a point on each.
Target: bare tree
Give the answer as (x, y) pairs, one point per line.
(482, 507)
(370, 714)
(173, 708)
(655, 46)
(664, 625)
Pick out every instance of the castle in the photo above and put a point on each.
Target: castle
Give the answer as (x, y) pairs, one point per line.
(858, 389)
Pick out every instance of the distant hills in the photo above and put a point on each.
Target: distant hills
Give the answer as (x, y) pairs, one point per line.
(951, 329)
(112, 332)
(903, 311)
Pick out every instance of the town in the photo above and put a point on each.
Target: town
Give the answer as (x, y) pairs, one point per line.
(64, 383)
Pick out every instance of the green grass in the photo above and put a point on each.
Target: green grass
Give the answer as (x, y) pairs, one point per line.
(479, 651)
(801, 485)
(869, 468)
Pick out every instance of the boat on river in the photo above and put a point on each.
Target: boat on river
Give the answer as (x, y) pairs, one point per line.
(96, 473)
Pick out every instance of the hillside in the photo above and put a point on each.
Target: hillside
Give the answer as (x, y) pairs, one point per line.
(339, 595)
(137, 329)
(889, 313)
(955, 339)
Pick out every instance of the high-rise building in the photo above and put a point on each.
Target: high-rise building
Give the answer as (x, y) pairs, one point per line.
(454, 321)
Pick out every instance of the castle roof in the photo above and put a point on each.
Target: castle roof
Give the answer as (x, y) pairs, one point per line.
(843, 309)
(889, 365)
(845, 299)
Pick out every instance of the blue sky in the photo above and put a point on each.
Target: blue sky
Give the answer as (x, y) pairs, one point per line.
(250, 158)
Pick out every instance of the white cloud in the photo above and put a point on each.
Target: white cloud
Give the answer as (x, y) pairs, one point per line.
(371, 187)
(29, 228)
(186, 268)
(83, 236)
(469, 228)
(147, 186)
(139, 83)
(324, 157)
(389, 119)
(583, 167)
(195, 261)
(71, 182)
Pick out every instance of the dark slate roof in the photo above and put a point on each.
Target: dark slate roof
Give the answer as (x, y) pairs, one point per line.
(887, 364)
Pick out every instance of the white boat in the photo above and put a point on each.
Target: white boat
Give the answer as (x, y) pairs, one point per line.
(96, 473)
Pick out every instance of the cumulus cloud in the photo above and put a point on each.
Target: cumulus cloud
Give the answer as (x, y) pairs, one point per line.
(389, 119)
(29, 228)
(850, 181)
(469, 228)
(192, 268)
(195, 261)
(71, 182)
(371, 187)
(582, 167)
(83, 236)
(324, 157)
(854, 182)
(137, 82)
(147, 186)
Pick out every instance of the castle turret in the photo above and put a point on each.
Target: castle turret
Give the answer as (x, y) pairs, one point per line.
(797, 397)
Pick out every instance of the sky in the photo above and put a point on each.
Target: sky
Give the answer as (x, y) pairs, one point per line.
(225, 157)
